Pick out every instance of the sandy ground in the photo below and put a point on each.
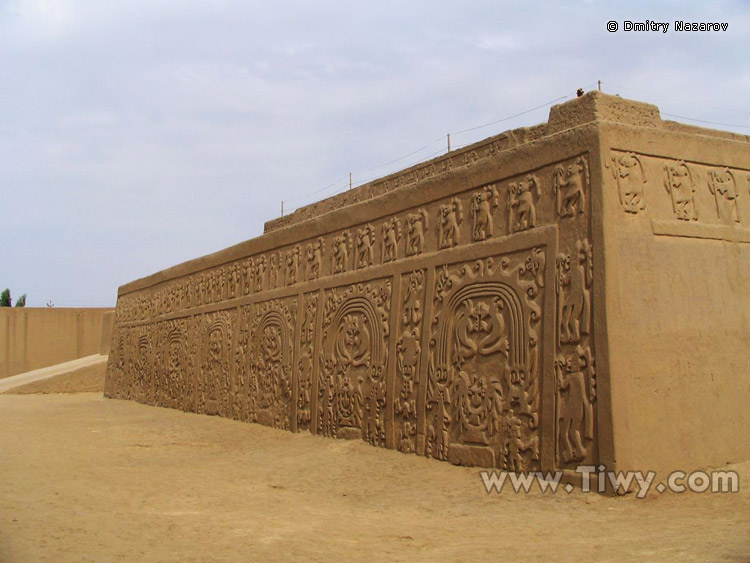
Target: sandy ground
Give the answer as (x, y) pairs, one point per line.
(82, 380)
(91, 479)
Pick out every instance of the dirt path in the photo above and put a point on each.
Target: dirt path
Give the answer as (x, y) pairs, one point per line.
(90, 479)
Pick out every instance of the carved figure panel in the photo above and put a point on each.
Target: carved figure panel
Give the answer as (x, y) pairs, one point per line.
(723, 187)
(353, 362)
(408, 359)
(364, 243)
(292, 265)
(678, 181)
(305, 366)
(391, 231)
(269, 362)
(214, 383)
(482, 204)
(574, 399)
(573, 288)
(450, 217)
(522, 200)
(627, 170)
(483, 379)
(340, 254)
(314, 255)
(416, 226)
(570, 187)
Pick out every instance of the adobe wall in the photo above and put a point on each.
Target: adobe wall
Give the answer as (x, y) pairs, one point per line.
(677, 276)
(32, 338)
(488, 307)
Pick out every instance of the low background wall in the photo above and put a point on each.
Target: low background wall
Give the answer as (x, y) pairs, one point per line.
(32, 338)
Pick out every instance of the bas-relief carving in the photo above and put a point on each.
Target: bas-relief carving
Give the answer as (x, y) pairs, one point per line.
(723, 187)
(340, 255)
(270, 362)
(574, 281)
(274, 269)
(450, 217)
(416, 226)
(570, 186)
(353, 362)
(292, 265)
(391, 231)
(678, 181)
(574, 399)
(522, 200)
(314, 255)
(408, 357)
(627, 170)
(482, 397)
(364, 244)
(214, 380)
(306, 361)
(482, 204)
(480, 402)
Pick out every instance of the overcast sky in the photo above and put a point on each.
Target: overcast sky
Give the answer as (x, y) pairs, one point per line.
(135, 135)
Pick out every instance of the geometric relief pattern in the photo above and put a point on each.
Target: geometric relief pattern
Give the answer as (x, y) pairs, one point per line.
(483, 396)
(353, 362)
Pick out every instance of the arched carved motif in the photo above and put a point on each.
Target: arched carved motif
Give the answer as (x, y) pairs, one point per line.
(353, 362)
(482, 398)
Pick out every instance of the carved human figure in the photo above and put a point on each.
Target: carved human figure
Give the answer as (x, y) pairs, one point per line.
(340, 253)
(260, 273)
(391, 231)
(628, 172)
(515, 446)
(678, 181)
(292, 266)
(314, 258)
(522, 198)
(573, 293)
(273, 271)
(575, 418)
(450, 218)
(482, 203)
(364, 241)
(569, 187)
(416, 226)
(722, 185)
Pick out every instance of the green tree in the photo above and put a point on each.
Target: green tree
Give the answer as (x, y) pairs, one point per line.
(5, 298)
(21, 301)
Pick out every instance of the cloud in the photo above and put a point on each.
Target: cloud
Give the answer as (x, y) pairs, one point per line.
(139, 134)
